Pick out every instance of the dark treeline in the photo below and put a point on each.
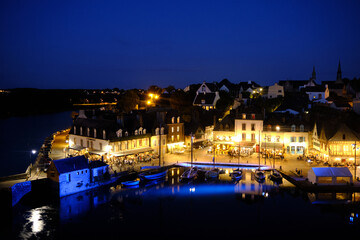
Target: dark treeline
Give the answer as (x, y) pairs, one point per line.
(29, 101)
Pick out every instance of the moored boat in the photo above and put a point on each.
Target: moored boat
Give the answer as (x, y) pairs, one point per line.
(236, 175)
(259, 176)
(275, 176)
(212, 174)
(189, 174)
(131, 183)
(153, 174)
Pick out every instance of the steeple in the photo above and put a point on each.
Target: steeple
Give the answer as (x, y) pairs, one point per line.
(313, 75)
(338, 77)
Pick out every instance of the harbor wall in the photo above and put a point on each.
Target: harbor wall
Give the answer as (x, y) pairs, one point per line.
(18, 190)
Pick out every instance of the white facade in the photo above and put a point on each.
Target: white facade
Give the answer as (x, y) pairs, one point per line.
(275, 91)
(248, 130)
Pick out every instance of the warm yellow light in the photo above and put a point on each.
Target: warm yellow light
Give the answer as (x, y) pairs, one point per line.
(156, 96)
(277, 128)
(149, 102)
(151, 95)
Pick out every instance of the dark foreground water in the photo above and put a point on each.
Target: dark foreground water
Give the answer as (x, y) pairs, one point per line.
(20, 135)
(172, 210)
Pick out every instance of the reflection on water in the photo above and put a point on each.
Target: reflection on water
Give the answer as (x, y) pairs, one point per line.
(170, 204)
(35, 222)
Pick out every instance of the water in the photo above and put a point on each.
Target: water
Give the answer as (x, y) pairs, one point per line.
(171, 209)
(20, 135)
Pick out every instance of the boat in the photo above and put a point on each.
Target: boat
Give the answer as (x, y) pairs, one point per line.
(259, 176)
(275, 176)
(212, 173)
(131, 183)
(190, 174)
(153, 174)
(236, 175)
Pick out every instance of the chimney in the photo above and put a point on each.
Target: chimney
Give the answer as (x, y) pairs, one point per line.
(82, 114)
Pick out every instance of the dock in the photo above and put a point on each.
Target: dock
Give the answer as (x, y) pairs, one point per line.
(222, 164)
(302, 183)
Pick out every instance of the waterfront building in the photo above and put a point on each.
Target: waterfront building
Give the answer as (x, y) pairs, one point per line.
(285, 133)
(341, 146)
(248, 130)
(110, 137)
(175, 136)
(72, 175)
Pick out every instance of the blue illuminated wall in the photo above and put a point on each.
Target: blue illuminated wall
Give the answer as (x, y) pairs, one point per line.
(73, 182)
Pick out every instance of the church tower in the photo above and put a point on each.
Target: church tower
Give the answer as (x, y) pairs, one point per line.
(313, 75)
(338, 77)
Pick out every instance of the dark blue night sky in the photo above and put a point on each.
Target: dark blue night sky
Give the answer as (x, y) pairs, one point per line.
(135, 44)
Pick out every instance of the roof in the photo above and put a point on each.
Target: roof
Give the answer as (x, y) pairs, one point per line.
(96, 164)
(205, 99)
(71, 164)
(331, 172)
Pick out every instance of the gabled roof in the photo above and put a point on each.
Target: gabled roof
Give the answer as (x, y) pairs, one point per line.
(71, 164)
(205, 99)
(344, 133)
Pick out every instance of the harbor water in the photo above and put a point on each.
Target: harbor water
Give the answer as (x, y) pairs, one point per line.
(20, 135)
(171, 209)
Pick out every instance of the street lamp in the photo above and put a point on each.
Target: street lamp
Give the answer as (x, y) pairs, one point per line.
(31, 152)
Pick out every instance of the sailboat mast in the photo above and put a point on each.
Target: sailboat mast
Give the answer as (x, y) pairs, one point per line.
(259, 149)
(191, 149)
(160, 147)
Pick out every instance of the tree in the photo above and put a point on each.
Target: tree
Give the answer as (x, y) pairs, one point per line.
(128, 101)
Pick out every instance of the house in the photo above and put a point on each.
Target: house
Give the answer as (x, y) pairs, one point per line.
(108, 134)
(341, 145)
(206, 96)
(285, 132)
(72, 175)
(317, 93)
(175, 136)
(330, 176)
(248, 128)
(273, 91)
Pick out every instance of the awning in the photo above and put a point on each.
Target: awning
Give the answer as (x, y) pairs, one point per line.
(77, 148)
(272, 145)
(97, 152)
(247, 144)
(132, 151)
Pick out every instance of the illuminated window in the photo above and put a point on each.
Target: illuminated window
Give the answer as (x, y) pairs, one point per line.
(301, 128)
(178, 119)
(172, 129)
(178, 128)
(293, 127)
(243, 116)
(94, 132)
(173, 120)
(178, 137)
(104, 134)
(88, 132)
(74, 129)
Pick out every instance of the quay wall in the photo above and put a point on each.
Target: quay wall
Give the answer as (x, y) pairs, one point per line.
(18, 190)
